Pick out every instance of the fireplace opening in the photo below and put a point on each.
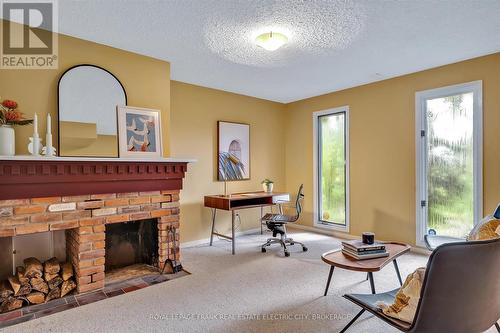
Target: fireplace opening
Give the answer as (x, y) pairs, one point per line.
(130, 248)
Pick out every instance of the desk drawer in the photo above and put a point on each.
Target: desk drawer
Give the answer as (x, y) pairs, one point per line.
(281, 198)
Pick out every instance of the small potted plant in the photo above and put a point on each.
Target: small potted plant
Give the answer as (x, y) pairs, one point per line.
(9, 116)
(267, 185)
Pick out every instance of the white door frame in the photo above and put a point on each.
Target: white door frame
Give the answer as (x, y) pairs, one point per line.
(421, 149)
(317, 222)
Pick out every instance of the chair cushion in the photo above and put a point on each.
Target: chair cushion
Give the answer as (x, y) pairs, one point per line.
(278, 218)
(406, 300)
(489, 228)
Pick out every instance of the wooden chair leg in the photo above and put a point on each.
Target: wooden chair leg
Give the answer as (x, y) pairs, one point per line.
(352, 321)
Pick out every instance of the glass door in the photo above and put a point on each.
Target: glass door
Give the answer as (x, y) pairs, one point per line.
(450, 162)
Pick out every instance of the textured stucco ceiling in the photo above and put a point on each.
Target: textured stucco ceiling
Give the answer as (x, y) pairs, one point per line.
(333, 44)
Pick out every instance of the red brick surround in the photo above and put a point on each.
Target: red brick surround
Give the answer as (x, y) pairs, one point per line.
(84, 218)
(81, 197)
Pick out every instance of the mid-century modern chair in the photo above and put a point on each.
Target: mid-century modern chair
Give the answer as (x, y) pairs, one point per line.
(460, 292)
(277, 224)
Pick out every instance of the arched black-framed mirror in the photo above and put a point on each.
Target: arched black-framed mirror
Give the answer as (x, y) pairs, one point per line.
(87, 99)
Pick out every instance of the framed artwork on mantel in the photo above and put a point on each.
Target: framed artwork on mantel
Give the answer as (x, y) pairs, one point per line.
(233, 141)
(139, 132)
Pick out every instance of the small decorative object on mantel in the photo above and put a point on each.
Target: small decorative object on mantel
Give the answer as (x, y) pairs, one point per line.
(35, 145)
(267, 185)
(139, 132)
(9, 116)
(49, 150)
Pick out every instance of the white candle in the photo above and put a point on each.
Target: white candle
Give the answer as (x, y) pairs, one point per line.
(35, 126)
(49, 124)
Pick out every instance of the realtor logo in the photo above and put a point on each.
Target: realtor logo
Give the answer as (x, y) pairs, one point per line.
(29, 34)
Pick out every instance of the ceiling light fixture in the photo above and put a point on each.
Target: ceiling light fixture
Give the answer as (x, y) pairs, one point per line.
(271, 41)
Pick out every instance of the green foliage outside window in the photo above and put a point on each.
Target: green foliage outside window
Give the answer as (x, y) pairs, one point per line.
(332, 136)
(450, 165)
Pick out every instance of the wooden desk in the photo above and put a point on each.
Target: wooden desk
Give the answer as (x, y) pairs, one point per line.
(239, 201)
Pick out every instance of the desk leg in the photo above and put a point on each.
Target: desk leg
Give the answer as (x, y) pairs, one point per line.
(372, 283)
(328, 281)
(233, 213)
(397, 271)
(214, 212)
(260, 221)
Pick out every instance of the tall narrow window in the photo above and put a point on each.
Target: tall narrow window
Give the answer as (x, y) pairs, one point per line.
(331, 168)
(449, 160)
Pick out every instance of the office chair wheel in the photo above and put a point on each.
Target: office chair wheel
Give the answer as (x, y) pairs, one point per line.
(304, 248)
(263, 250)
(292, 243)
(287, 254)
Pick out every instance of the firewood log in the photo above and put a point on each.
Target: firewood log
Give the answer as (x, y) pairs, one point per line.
(39, 284)
(67, 287)
(36, 297)
(21, 275)
(33, 267)
(48, 276)
(5, 290)
(53, 294)
(67, 271)
(10, 304)
(14, 283)
(51, 266)
(55, 282)
(18, 288)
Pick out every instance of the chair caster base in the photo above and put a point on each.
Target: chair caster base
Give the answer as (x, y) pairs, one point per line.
(287, 254)
(263, 250)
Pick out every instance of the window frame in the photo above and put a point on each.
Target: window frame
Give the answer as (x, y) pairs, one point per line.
(317, 173)
(421, 97)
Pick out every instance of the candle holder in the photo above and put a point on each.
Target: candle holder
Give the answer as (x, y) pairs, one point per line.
(48, 150)
(35, 145)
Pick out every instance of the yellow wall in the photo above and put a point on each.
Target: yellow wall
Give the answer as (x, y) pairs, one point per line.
(382, 145)
(146, 81)
(195, 112)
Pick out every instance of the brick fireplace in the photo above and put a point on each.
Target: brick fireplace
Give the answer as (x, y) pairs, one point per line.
(83, 197)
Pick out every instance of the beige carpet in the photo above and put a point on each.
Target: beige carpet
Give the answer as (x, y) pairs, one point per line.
(224, 292)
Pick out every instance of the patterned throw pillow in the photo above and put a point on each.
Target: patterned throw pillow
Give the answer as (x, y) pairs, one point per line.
(487, 229)
(406, 301)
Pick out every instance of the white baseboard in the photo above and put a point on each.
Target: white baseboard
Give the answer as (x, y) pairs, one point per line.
(204, 241)
(341, 235)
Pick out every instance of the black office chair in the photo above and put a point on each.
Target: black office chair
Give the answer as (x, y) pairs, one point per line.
(277, 224)
(460, 292)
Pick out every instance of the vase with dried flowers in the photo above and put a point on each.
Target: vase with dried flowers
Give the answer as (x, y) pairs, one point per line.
(10, 116)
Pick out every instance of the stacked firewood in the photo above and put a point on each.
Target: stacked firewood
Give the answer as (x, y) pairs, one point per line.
(36, 283)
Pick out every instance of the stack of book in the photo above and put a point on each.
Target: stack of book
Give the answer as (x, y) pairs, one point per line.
(358, 250)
